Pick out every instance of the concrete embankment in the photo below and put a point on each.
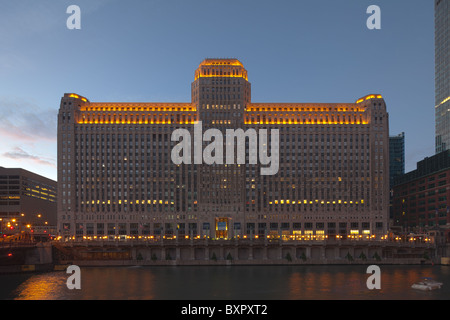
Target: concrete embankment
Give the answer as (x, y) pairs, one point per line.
(57, 256)
(127, 263)
(229, 252)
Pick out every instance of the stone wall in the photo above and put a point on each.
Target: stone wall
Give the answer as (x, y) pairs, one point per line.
(245, 253)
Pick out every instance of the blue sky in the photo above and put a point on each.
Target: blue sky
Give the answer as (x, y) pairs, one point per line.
(147, 51)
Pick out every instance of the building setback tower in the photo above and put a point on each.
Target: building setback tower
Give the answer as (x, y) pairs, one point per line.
(116, 176)
(442, 74)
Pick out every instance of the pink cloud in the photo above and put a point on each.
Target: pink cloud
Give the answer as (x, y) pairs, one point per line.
(19, 154)
(25, 122)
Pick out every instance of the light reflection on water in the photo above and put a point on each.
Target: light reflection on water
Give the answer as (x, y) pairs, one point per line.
(42, 287)
(233, 283)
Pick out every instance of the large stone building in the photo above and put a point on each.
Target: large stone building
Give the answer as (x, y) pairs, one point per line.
(117, 176)
(442, 74)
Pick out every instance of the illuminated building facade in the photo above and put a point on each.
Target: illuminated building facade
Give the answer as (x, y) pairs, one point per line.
(442, 74)
(26, 198)
(116, 176)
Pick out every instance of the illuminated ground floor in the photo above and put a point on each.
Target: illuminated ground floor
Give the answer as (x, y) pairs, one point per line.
(225, 227)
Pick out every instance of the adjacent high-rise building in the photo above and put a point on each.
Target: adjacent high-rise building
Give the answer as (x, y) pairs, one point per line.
(396, 157)
(442, 74)
(117, 175)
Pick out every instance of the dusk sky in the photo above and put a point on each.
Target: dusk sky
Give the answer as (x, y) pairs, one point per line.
(147, 51)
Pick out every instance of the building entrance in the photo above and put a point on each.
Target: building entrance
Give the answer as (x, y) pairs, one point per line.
(221, 228)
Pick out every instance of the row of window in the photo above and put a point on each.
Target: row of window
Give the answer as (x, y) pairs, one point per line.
(186, 228)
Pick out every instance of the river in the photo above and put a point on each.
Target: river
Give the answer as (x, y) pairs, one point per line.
(227, 283)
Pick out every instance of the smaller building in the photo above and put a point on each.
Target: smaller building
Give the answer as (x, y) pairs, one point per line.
(421, 197)
(396, 157)
(27, 201)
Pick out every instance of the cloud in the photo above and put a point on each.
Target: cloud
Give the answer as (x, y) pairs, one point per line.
(19, 154)
(24, 121)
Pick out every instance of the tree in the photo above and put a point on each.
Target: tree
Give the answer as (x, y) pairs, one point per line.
(349, 257)
(376, 256)
(303, 256)
(288, 257)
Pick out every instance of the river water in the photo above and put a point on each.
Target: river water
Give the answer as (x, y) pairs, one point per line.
(227, 283)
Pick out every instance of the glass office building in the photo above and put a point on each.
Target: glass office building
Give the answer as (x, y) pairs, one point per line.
(396, 157)
(442, 74)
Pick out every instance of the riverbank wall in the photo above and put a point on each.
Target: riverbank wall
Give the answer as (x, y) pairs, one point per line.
(56, 256)
(243, 252)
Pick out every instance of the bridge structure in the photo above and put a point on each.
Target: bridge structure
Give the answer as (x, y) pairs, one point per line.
(17, 256)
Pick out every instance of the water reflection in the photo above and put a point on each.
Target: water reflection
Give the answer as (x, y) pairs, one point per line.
(116, 284)
(325, 283)
(246, 282)
(42, 287)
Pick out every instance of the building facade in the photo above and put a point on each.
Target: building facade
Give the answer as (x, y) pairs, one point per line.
(396, 157)
(26, 198)
(421, 197)
(442, 74)
(117, 176)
